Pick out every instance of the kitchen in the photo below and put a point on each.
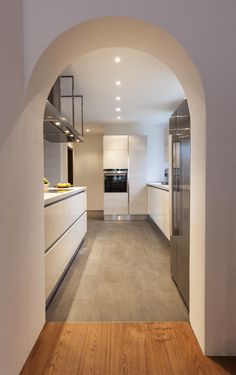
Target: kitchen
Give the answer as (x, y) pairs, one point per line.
(142, 152)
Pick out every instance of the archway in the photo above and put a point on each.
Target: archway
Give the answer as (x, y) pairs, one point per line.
(131, 33)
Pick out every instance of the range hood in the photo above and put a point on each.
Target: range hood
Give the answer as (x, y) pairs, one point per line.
(57, 128)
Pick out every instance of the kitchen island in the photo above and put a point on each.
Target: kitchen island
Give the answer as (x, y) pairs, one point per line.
(65, 225)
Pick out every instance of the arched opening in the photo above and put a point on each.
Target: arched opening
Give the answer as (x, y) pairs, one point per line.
(130, 33)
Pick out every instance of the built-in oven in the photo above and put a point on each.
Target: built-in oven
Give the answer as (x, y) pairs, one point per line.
(115, 180)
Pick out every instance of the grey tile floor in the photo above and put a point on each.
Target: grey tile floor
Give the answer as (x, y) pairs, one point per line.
(121, 273)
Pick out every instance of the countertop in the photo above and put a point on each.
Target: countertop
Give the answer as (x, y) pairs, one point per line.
(159, 185)
(54, 195)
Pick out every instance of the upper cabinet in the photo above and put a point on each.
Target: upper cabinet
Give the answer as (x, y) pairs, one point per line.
(115, 152)
(115, 143)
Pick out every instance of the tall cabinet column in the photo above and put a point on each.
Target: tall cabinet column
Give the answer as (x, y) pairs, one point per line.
(138, 194)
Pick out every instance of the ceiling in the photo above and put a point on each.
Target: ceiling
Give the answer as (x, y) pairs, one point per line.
(149, 91)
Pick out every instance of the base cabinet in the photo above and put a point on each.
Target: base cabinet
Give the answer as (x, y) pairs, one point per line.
(65, 227)
(60, 216)
(159, 208)
(116, 204)
(60, 254)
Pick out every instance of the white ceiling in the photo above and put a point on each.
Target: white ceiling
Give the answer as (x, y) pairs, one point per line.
(149, 91)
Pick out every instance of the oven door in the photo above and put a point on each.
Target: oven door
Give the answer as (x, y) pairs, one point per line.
(115, 181)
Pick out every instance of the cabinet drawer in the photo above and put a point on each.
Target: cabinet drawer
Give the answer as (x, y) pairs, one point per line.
(115, 203)
(57, 258)
(60, 216)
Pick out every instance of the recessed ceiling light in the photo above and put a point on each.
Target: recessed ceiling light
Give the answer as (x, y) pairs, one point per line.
(87, 130)
(71, 135)
(57, 123)
(117, 59)
(118, 117)
(118, 83)
(77, 140)
(67, 131)
(118, 109)
(117, 97)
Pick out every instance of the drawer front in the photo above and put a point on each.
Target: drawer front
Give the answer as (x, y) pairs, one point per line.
(116, 204)
(60, 216)
(57, 258)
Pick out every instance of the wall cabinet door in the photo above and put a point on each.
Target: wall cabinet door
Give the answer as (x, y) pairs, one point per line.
(115, 143)
(115, 159)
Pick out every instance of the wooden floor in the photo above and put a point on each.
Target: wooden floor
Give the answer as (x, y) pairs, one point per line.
(120, 349)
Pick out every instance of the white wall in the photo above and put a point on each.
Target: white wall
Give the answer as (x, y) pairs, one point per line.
(52, 162)
(88, 169)
(64, 161)
(21, 222)
(55, 161)
(155, 145)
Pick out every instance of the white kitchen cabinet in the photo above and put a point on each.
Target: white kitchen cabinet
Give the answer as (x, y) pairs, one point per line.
(115, 152)
(138, 193)
(159, 208)
(116, 203)
(59, 255)
(60, 216)
(115, 143)
(65, 227)
(116, 159)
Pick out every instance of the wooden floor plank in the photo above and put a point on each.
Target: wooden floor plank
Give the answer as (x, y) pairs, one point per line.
(120, 349)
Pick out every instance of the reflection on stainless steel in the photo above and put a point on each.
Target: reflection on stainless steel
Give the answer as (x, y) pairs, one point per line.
(180, 130)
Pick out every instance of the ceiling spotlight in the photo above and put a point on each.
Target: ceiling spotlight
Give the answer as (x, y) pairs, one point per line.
(118, 83)
(117, 59)
(87, 130)
(57, 123)
(67, 131)
(118, 109)
(71, 135)
(77, 140)
(117, 97)
(118, 117)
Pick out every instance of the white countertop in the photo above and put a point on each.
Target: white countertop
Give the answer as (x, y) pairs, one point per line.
(159, 185)
(53, 194)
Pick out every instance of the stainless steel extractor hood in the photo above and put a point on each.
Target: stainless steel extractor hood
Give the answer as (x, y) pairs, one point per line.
(57, 128)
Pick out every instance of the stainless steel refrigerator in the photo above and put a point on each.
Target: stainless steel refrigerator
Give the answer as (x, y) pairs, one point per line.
(179, 130)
